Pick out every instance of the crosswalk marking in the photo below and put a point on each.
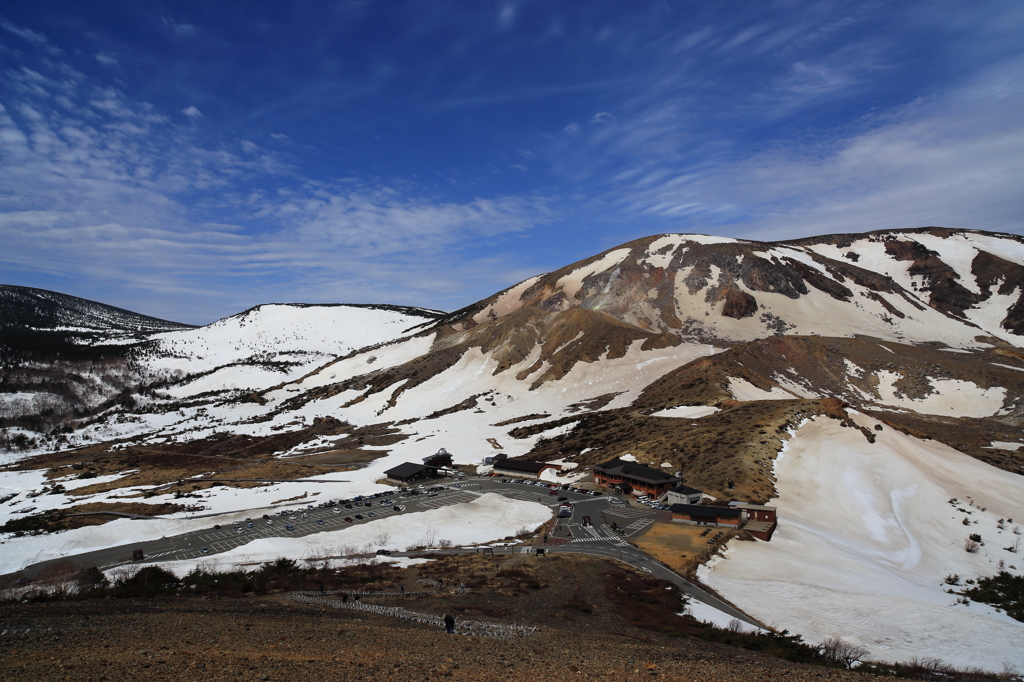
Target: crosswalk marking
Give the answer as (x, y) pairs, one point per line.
(627, 513)
(641, 523)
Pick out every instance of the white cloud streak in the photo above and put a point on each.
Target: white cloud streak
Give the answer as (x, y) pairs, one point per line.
(98, 189)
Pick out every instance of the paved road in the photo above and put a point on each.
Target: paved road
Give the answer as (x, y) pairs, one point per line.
(570, 536)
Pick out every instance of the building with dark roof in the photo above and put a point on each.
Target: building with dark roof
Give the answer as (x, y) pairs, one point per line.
(408, 472)
(706, 515)
(682, 494)
(629, 476)
(522, 468)
(441, 458)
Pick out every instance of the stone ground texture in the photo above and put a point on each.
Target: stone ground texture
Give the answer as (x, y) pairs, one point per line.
(272, 638)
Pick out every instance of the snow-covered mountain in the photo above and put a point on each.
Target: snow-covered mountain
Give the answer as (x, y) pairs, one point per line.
(270, 344)
(65, 357)
(704, 355)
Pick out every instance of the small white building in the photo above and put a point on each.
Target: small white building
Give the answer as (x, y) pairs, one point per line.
(681, 494)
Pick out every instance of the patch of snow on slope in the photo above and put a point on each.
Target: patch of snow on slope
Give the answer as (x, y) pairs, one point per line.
(487, 518)
(852, 368)
(741, 389)
(1007, 249)
(572, 282)
(866, 536)
(989, 315)
(952, 397)
(709, 614)
(1002, 445)
(686, 412)
(506, 302)
(661, 260)
(707, 239)
(957, 252)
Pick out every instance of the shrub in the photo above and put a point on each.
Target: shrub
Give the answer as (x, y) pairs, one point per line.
(836, 650)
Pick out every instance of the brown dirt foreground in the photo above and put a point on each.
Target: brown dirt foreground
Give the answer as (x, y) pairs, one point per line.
(272, 638)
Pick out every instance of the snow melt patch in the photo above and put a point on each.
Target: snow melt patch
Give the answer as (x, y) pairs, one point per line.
(743, 390)
(706, 613)
(951, 397)
(1002, 445)
(686, 412)
(866, 537)
(571, 283)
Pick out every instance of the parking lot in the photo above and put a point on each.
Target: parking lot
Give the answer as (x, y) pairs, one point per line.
(609, 523)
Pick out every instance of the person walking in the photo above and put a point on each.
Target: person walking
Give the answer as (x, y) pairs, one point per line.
(449, 624)
(403, 588)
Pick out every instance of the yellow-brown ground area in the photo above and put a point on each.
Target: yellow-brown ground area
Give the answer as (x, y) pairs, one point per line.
(680, 546)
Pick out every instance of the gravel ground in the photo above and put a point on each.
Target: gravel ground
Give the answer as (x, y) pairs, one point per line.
(273, 638)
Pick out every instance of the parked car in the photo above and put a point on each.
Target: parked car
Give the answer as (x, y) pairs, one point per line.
(349, 519)
(398, 508)
(359, 516)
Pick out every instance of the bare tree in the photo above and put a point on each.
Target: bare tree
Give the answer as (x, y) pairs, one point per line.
(971, 546)
(836, 650)
(382, 538)
(929, 666)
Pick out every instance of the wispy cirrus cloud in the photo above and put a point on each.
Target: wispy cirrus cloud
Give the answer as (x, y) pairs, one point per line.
(96, 187)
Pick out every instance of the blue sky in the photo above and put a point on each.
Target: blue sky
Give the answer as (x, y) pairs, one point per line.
(191, 159)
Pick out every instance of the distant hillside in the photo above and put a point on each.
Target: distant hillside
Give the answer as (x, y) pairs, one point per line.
(40, 309)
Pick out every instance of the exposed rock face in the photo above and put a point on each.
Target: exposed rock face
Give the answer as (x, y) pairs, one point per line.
(739, 304)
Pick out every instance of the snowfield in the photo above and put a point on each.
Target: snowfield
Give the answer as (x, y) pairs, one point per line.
(867, 534)
(303, 336)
